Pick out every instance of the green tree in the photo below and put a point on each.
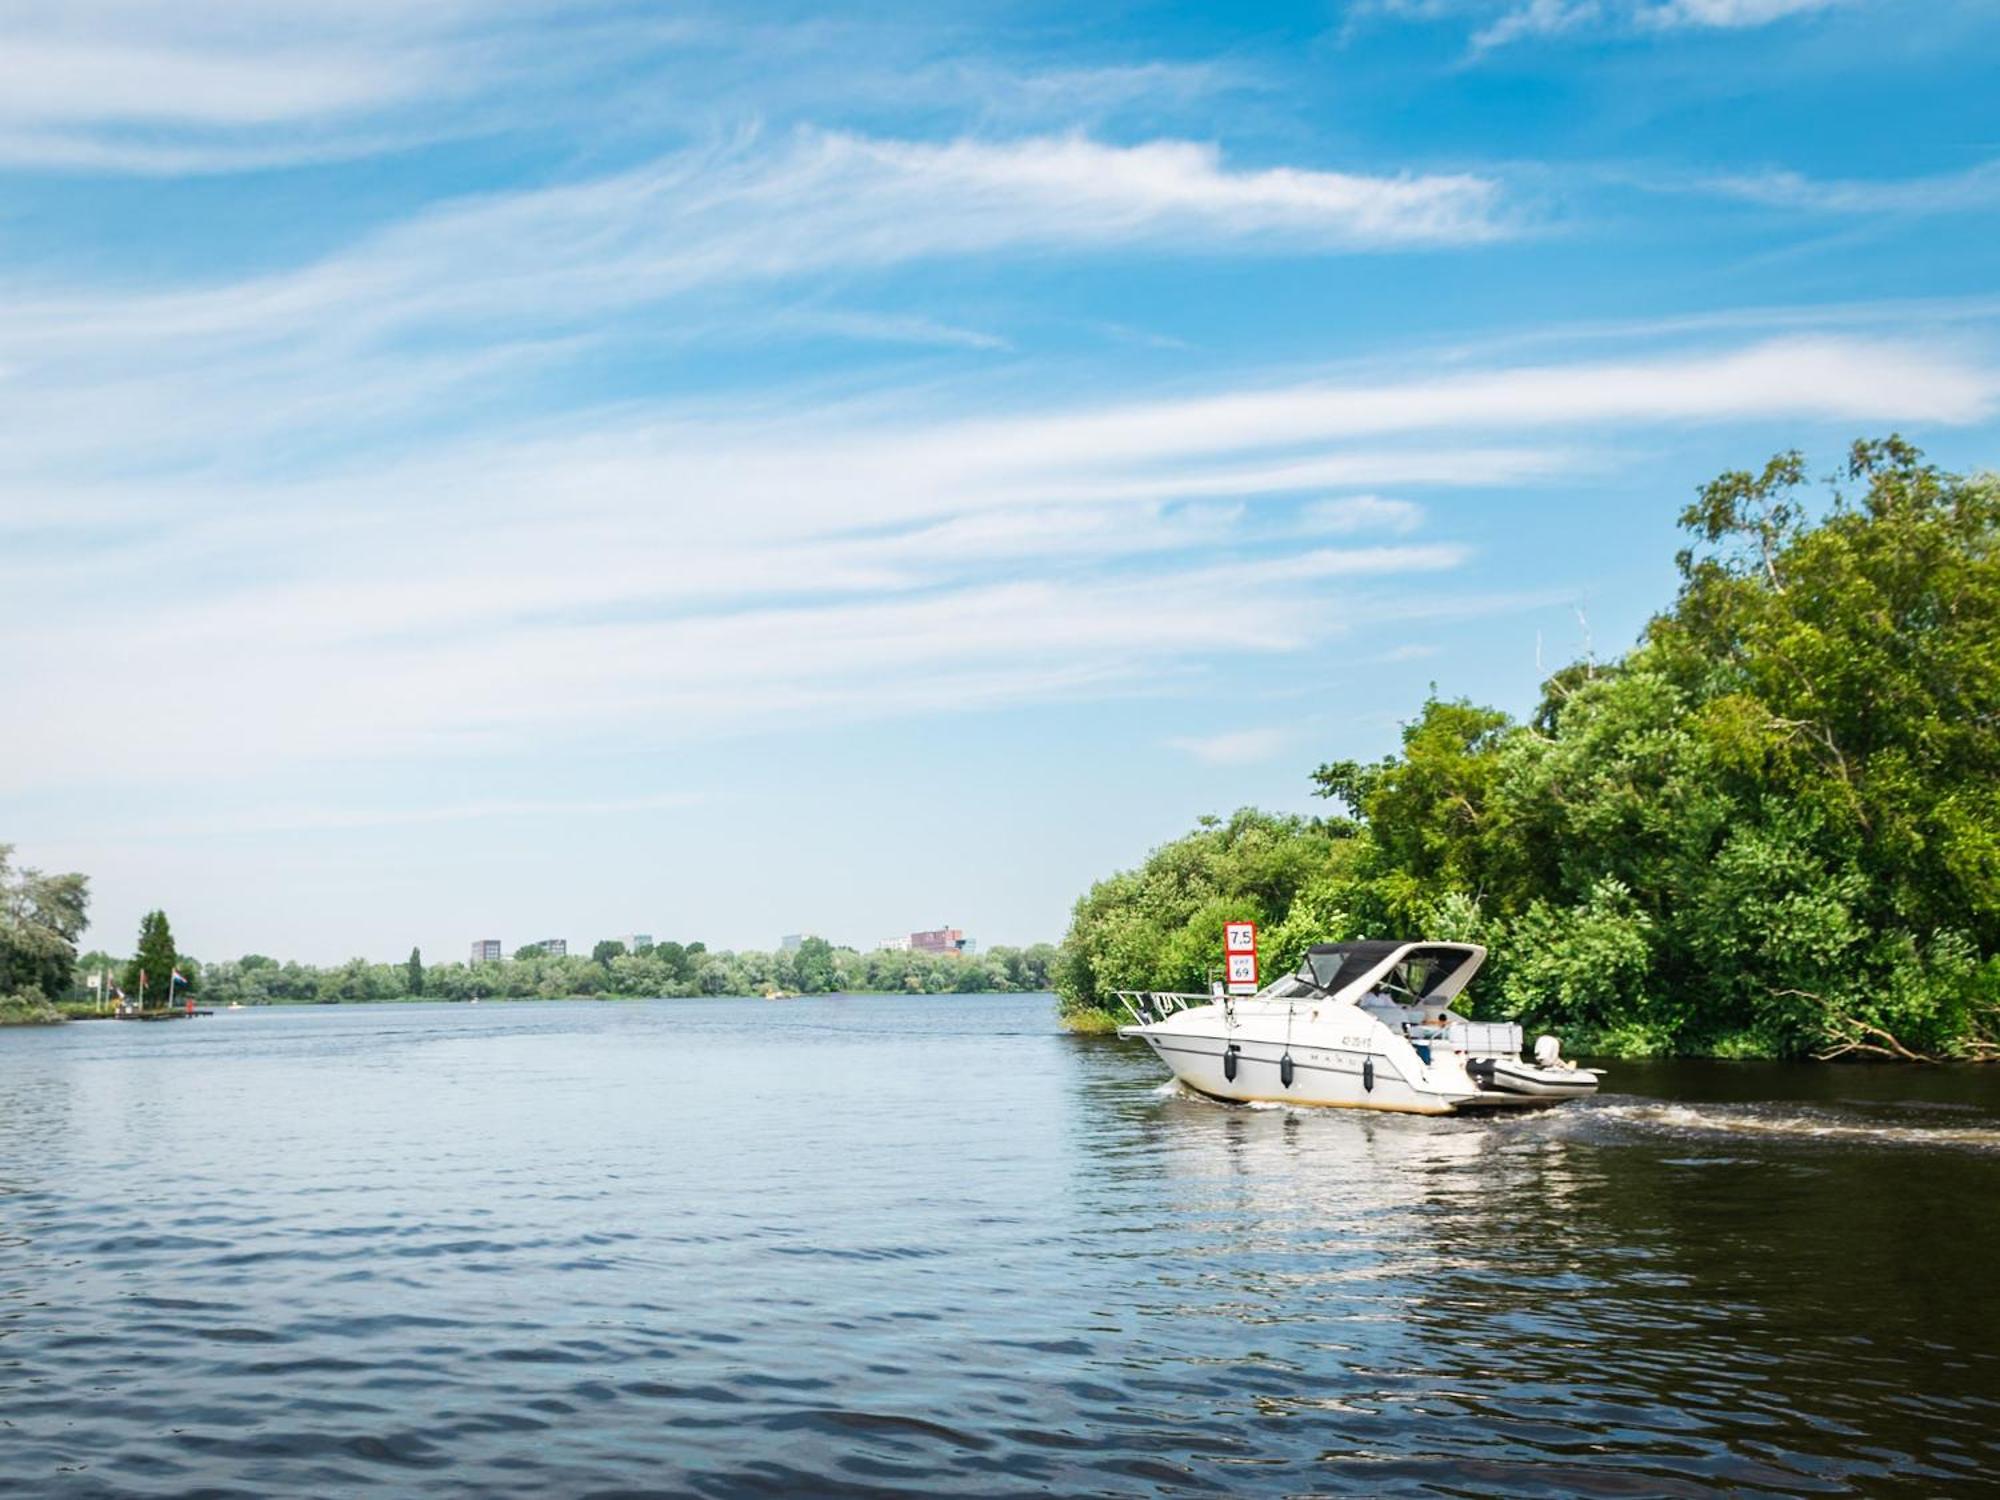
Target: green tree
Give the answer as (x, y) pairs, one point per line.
(413, 972)
(812, 966)
(675, 960)
(155, 958)
(41, 918)
(1160, 926)
(1430, 810)
(607, 950)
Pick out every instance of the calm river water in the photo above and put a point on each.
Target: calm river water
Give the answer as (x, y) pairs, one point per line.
(866, 1245)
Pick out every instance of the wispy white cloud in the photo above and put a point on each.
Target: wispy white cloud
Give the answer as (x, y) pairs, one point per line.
(303, 818)
(888, 328)
(754, 210)
(1976, 187)
(1536, 18)
(1500, 23)
(126, 86)
(1352, 513)
(50, 80)
(121, 85)
(400, 326)
(1235, 747)
(1728, 14)
(691, 572)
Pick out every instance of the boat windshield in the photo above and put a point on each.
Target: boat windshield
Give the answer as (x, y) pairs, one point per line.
(1414, 976)
(1297, 986)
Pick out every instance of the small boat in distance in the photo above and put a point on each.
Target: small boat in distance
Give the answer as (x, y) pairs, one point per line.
(1358, 1026)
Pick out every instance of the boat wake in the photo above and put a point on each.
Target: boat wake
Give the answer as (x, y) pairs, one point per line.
(1793, 1122)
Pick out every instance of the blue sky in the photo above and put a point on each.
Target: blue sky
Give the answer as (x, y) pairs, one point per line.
(535, 468)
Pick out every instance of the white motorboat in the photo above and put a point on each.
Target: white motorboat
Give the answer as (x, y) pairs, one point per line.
(1359, 1026)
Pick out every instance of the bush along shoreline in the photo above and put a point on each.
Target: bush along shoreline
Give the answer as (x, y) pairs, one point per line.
(1771, 829)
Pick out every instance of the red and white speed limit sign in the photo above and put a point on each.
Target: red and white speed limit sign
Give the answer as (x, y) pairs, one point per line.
(1239, 956)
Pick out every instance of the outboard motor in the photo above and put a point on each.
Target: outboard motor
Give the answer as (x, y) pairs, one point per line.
(1548, 1052)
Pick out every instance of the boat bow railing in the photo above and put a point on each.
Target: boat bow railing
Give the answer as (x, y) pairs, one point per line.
(1150, 1007)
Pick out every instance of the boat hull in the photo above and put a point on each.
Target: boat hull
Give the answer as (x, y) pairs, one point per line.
(1548, 1084)
(1338, 1059)
(1322, 1077)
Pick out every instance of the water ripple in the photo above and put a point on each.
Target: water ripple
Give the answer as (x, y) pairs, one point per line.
(733, 1250)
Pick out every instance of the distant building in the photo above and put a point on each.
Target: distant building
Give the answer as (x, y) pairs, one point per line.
(486, 951)
(634, 941)
(938, 940)
(791, 942)
(553, 947)
(895, 944)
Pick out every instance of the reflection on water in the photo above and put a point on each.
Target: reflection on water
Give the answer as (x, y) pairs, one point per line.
(869, 1245)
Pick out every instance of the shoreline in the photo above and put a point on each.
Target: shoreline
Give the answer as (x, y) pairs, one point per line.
(1094, 1025)
(71, 1011)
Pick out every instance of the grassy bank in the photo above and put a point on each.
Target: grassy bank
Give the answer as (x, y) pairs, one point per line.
(17, 1010)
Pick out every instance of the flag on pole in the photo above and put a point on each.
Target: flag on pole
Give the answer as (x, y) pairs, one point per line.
(179, 978)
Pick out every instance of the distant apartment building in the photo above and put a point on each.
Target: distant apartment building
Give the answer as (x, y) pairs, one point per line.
(486, 951)
(894, 944)
(634, 941)
(553, 947)
(791, 942)
(938, 940)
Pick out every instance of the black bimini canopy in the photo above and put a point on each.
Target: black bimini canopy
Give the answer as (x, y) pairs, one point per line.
(1423, 970)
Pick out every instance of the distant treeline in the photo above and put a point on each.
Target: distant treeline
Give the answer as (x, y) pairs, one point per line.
(1770, 829)
(610, 971)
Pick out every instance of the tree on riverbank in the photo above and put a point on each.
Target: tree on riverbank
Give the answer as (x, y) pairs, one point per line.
(41, 918)
(155, 959)
(1772, 828)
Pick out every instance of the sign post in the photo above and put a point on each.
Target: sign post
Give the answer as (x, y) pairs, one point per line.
(1239, 956)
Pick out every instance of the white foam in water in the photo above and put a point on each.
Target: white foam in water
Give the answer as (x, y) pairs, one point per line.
(1774, 1121)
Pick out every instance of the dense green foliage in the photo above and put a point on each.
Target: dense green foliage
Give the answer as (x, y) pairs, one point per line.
(153, 963)
(1772, 828)
(41, 917)
(667, 969)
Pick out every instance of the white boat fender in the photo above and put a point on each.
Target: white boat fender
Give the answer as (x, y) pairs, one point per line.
(1368, 1074)
(1285, 1070)
(1229, 1062)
